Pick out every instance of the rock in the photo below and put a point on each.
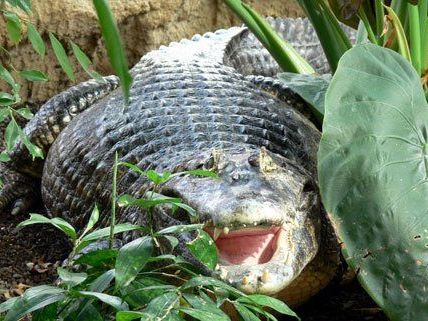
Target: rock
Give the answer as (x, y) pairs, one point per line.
(144, 24)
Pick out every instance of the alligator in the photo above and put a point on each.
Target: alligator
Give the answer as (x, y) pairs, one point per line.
(209, 102)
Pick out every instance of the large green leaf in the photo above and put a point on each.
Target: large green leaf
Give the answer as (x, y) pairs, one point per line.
(373, 165)
(34, 299)
(131, 259)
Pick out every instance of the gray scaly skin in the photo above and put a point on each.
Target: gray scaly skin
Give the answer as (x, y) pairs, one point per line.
(205, 103)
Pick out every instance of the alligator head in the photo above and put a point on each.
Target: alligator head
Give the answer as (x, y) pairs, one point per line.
(263, 212)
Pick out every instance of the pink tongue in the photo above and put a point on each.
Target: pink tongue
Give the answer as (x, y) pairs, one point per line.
(247, 246)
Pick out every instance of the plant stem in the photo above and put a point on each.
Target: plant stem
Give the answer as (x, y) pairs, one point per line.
(379, 20)
(113, 201)
(423, 21)
(365, 20)
(415, 37)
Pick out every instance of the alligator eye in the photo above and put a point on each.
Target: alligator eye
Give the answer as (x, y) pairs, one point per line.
(254, 160)
(209, 163)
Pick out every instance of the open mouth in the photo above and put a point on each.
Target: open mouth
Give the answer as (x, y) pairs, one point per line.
(254, 259)
(247, 246)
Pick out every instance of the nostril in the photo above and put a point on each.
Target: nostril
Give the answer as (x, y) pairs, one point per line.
(308, 187)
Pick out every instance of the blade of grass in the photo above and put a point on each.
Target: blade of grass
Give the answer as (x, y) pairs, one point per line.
(372, 37)
(333, 39)
(114, 46)
(415, 37)
(113, 201)
(286, 56)
(283, 53)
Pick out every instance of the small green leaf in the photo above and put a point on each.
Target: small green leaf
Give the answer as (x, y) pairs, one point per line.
(13, 26)
(95, 216)
(105, 232)
(176, 229)
(209, 281)
(57, 222)
(128, 200)
(84, 61)
(33, 75)
(204, 249)
(133, 167)
(158, 178)
(62, 57)
(36, 40)
(114, 45)
(98, 258)
(199, 303)
(173, 241)
(270, 302)
(162, 306)
(132, 315)
(34, 150)
(6, 76)
(34, 299)
(245, 313)
(101, 283)
(11, 134)
(6, 99)
(71, 279)
(26, 113)
(143, 290)
(85, 312)
(22, 4)
(201, 173)
(4, 157)
(4, 113)
(111, 300)
(202, 315)
(131, 259)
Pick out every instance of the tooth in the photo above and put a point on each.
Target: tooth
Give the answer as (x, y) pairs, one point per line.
(223, 274)
(245, 280)
(244, 225)
(226, 230)
(217, 232)
(217, 267)
(255, 223)
(265, 276)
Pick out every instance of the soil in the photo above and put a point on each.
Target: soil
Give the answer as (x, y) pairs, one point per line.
(30, 256)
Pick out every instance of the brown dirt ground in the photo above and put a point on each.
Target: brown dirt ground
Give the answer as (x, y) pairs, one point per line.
(29, 257)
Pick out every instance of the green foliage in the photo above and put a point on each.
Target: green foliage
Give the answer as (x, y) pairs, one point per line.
(61, 55)
(114, 45)
(372, 174)
(333, 39)
(10, 102)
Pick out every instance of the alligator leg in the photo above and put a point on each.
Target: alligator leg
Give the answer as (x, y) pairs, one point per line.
(22, 174)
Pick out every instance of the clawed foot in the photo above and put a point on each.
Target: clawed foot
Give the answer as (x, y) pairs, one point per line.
(19, 191)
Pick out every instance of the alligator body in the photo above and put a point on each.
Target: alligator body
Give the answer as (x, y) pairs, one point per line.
(208, 102)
